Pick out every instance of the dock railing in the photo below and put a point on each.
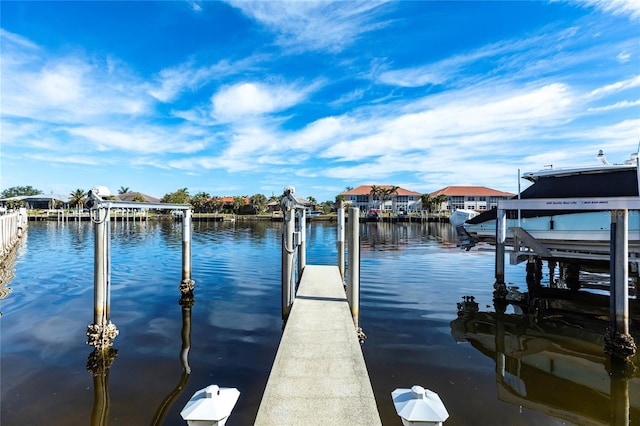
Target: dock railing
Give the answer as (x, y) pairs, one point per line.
(12, 226)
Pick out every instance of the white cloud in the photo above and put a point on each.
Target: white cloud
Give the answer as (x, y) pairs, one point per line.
(11, 41)
(68, 89)
(253, 99)
(315, 25)
(617, 105)
(618, 86)
(623, 57)
(195, 5)
(143, 139)
(172, 82)
(617, 7)
(318, 134)
(464, 118)
(61, 84)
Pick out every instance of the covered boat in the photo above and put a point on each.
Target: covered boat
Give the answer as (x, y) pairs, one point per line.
(567, 227)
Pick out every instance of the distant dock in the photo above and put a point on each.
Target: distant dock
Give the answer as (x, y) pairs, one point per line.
(319, 376)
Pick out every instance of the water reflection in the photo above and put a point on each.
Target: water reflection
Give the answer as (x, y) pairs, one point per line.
(98, 364)
(186, 302)
(7, 273)
(410, 284)
(553, 364)
(401, 236)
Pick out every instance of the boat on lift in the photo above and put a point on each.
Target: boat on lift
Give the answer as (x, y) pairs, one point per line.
(566, 228)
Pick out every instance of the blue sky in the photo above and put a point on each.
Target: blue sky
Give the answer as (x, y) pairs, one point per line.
(239, 98)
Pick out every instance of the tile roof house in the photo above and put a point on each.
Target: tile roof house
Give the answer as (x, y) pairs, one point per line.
(133, 196)
(478, 198)
(401, 200)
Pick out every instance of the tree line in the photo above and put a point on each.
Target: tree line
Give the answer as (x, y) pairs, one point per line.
(202, 202)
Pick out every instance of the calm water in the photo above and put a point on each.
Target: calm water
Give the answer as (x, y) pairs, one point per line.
(553, 370)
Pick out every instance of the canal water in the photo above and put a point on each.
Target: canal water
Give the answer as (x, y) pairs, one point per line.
(489, 368)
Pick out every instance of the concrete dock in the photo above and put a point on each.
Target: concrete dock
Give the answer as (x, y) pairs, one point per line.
(319, 376)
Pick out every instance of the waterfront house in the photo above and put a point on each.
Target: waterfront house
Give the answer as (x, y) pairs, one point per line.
(134, 196)
(477, 198)
(39, 201)
(366, 198)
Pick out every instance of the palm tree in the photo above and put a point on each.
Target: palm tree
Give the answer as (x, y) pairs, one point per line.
(438, 200)
(181, 196)
(425, 200)
(238, 203)
(199, 201)
(258, 203)
(312, 201)
(216, 203)
(123, 190)
(389, 194)
(374, 192)
(77, 199)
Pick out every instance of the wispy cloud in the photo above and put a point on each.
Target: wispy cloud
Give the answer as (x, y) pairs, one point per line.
(66, 89)
(171, 83)
(617, 105)
(629, 8)
(315, 25)
(307, 95)
(618, 86)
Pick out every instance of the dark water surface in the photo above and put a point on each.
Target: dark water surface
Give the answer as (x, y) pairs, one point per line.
(488, 368)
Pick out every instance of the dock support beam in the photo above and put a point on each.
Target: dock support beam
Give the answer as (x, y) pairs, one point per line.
(101, 333)
(353, 285)
(340, 239)
(618, 342)
(187, 283)
(500, 289)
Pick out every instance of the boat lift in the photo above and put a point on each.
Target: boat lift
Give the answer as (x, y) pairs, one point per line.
(618, 341)
(101, 333)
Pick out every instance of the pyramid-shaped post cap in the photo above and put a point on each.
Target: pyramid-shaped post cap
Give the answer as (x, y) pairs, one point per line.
(210, 406)
(419, 406)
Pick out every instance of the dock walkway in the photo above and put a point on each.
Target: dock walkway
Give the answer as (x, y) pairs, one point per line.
(319, 376)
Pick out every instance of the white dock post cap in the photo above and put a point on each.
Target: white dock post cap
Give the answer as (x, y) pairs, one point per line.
(419, 406)
(210, 406)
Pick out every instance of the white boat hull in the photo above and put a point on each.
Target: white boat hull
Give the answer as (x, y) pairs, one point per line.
(565, 229)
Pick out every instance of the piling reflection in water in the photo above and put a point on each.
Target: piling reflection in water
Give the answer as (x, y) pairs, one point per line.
(411, 281)
(553, 364)
(186, 302)
(98, 364)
